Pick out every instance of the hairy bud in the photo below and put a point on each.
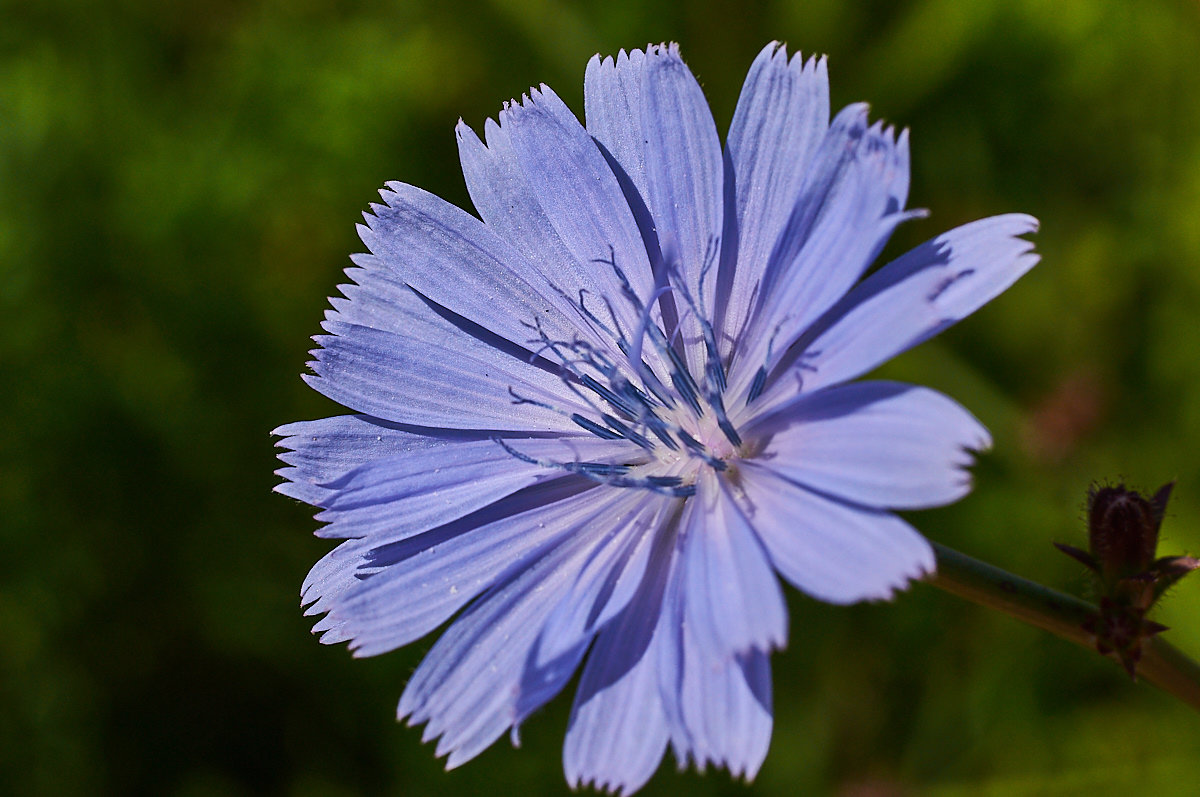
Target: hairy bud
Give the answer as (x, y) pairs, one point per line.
(1123, 530)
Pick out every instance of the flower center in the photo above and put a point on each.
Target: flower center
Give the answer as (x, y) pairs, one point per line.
(675, 419)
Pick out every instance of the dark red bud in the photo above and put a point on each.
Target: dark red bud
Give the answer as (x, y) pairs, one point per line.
(1123, 530)
(1123, 535)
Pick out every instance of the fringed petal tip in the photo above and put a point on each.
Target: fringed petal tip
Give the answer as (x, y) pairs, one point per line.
(922, 571)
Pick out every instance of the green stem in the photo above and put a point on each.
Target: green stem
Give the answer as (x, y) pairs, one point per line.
(1162, 664)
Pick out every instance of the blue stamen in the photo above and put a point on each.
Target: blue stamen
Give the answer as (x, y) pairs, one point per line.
(611, 475)
(656, 425)
(664, 481)
(648, 377)
(596, 319)
(596, 428)
(683, 382)
(519, 399)
(760, 382)
(725, 426)
(590, 373)
(628, 433)
(596, 468)
(760, 376)
(608, 395)
(667, 485)
(699, 450)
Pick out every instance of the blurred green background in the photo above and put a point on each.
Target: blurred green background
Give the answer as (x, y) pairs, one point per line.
(179, 184)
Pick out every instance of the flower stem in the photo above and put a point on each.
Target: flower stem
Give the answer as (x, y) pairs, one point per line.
(1162, 664)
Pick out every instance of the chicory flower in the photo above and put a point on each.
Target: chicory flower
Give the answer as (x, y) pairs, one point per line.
(596, 421)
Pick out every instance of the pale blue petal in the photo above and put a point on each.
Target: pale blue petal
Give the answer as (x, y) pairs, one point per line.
(685, 179)
(380, 301)
(391, 498)
(578, 191)
(879, 444)
(468, 687)
(542, 184)
(847, 209)
(717, 700)
(612, 100)
(685, 175)
(409, 380)
(726, 708)
(605, 585)
(378, 298)
(406, 588)
(459, 263)
(354, 582)
(612, 93)
(896, 174)
(733, 598)
(619, 727)
(320, 451)
(333, 574)
(780, 120)
(910, 300)
(834, 551)
(617, 738)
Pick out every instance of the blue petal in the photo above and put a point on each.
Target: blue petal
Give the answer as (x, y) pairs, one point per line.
(577, 188)
(619, 727)
(604, 587)
(457, 262)
(469, 686)
(543, 185)
(910, 300)
(834, 551)
(726, 708)
(847, 209)
(612, 97)
(616, 739)
(685, 178)
(780, 120)
(612, 93)
(384, 592)
(322, 450)
(732, 596)
(685, 175)
(717, 700)
(392, 498)
(407, 379)
(378, 298)
(879, 444)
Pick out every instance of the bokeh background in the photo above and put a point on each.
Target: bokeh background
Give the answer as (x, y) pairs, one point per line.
(179, 184)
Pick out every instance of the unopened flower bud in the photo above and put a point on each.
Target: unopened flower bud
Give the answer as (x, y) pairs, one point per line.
(1123, 529)
(1123, 537)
